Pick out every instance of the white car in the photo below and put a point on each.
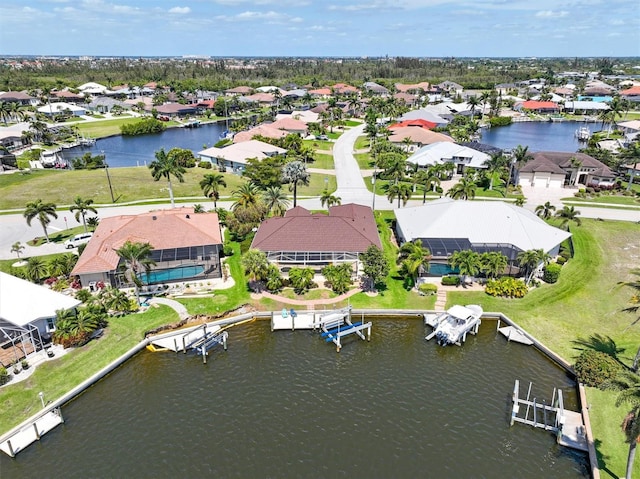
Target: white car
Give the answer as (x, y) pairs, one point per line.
(77, 240)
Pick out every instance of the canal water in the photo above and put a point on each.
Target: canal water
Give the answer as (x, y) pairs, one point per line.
(285, 404)
(538, 135)
(140, 150)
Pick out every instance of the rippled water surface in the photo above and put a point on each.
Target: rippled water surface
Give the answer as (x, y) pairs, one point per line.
(285, 404)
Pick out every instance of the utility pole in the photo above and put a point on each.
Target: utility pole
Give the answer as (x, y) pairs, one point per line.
(106, 168)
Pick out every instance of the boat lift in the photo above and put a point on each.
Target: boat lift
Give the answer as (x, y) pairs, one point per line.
(337, 324)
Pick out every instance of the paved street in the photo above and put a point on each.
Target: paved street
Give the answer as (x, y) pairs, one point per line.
(351, 189)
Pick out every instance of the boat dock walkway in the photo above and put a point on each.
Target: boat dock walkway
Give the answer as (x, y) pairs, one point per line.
(337, 324)
(567, 425)
(32, 432)
(291, 319)
(199, 339)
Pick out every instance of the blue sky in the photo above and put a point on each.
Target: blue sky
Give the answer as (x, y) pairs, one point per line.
(423, 28)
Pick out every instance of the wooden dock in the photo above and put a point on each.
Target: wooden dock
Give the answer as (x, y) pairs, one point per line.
(514, 334)
(568, 426)
(31, 433)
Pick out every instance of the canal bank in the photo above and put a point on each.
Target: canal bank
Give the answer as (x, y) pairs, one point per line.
(390, 338)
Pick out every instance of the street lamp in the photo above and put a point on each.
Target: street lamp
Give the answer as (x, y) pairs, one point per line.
(41, 394)
(106, 168)
(326, 183)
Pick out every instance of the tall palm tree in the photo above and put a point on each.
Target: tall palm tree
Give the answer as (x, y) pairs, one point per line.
(276, 200)
(545, 211)
(211, 184)
(329, 200)
(628, 385)
(413, 257)
(136, 257)
(467, 261)
(43, 211)
(81, 207)
(295, 172)
(473, 101)
(530, 259)
(428, 180)
(245, 196)
(493, 263)
(632, 152)
(464, 189)
(496, 164)
(166, 166)
(567, 214)
(401, 191)
(36, 269)
(520, 156)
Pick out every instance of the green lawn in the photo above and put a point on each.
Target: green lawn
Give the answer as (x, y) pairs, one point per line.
(129, 184)
(102, 128)
(605, 199)
(361, 143)
(586, 300)
(365, 162)
(322, 161)
(55, 378)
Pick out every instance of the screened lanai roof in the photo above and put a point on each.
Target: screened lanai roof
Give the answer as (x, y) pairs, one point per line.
(479, 222)
(22, 302)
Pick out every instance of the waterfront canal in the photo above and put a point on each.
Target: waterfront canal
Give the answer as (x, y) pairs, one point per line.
(284, 404)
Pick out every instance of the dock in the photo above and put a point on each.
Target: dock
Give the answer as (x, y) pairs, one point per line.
(568, 426)
(32, 432)
(515, 334)
(291, 319)
(453, 325)
(200, 340)
(337, 324)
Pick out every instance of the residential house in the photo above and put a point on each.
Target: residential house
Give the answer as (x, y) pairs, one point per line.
(291, 125)
(172, 110)
(301, 238)
(18, 97)
(553, 169)
(186, 247)
(417, 137)
(264, 130)
(537, 106)
(631, 94)
(375, 88)
(448, 152)
(234, 157)
(53, 109)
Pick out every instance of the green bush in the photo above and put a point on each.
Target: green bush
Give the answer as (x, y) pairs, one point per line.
(428, 289)
(143, 127)
(594, 367)
(227, 249)
(507, 287)
(205, 164)
(450, 280)
(4, 376)
(561, 260)
(551, 273)
(500, 121)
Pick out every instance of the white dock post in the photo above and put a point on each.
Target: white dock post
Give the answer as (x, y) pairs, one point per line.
(204, 354)
(514, 409)
(272, 322)
(498, 324)
(11, 451)
(59, 413)
(35, 428)
(184, 345)
(224, 340)
(175, 344)
(368, 333)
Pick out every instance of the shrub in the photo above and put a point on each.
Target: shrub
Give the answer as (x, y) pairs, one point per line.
(227, 249)
(25, 364)
(143, 127)
(4, 376)
(500, 121)
(561, 260)
(450, 280)
(83, 295)
(205, 164)
(428, 289)
(551, 273)
(507, 287)
(594, 367)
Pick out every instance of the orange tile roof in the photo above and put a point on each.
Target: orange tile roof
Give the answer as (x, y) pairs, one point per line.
(289, 124)
(634, 90)
(261, 130)
(537, 105)
(163, 229)
(417, 122)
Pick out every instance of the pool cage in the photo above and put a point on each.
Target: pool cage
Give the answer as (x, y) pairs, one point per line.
(178, 259)
(17, 342)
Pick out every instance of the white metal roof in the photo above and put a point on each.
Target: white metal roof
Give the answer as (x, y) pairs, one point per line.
(22, 302)
(442, 151)
(481, 222)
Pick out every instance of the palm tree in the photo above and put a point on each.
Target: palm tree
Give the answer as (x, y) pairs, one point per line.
(93, 222)
(428, 180)
(473, 101)
(245, 196)
(464, 189)
(211, 184)
(530, 259)
(42, 211)
(62, 265)
(567, 214)
(632, 152)
(115, 299)
(413, 257)
(402, 191)
(17, 248)
(166, 166)
(520, 155)
(276, 201)
(493, 263)
(81, 207)
(495, 164)
(36, 269)
(329, 200)
(295, 172)
(255, 264)
(628, 385)
(136, 256)
(467, 262)
(545, 211)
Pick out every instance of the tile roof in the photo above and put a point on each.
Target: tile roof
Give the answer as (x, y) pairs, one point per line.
(352, 228)
(633, 91)
(560, 162)
(164, 229)
(241, 152)
(538, 105)
(417, 122)
(289, 124)
(260, 130)
(417, 135)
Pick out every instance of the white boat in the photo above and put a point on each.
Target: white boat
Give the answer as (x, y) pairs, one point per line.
(583, 133)
(452, 326)
(51, 158)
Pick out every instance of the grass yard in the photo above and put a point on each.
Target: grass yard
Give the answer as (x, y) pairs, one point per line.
(365, 162)
(102, 128)
(362, 142)
(605, 199)
(129, 184)
(55, 378)
(586, 300)
(322, 161)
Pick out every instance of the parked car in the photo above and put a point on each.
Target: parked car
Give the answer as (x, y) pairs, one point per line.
(322, 137)
(77, 240)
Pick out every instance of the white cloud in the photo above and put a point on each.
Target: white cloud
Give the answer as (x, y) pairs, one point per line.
(180, 10)
(551, 14)
(281, 3)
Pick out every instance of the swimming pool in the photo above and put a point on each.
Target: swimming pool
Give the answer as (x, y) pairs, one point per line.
(441, 269)
(172, 274)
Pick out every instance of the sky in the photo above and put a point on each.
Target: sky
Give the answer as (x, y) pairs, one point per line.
(333, 28)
